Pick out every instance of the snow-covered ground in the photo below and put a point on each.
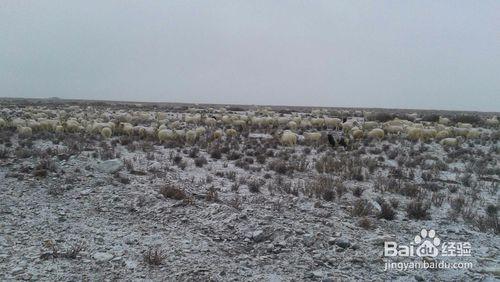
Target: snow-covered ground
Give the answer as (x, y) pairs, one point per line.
(91, 209)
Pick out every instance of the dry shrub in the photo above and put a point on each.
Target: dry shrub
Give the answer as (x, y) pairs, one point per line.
(200, 161)
(328, 164)
(365, 223)
(154, 256)
(386, 211)
(212, 195)
(361, 207)
(236, 202)
(172, 191)
(280, 166)
(358, 191)
(418, 210)
(323, 187)
(254, 185)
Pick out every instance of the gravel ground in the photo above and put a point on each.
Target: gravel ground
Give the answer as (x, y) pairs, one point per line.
(115, 214)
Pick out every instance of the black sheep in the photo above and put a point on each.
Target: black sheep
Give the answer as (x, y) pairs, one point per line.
(331, 140)
(342, 141)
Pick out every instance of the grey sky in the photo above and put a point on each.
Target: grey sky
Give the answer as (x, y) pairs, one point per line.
(404, 54)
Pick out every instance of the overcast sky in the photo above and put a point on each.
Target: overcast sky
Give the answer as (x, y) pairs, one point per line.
(393, 54)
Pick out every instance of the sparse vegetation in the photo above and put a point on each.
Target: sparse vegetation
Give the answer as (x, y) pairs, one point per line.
(172, 191)
(224, 183)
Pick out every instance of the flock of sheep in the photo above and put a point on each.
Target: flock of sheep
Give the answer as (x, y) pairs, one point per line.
(217, 124)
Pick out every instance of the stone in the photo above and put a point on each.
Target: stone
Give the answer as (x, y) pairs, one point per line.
(308, 240)
(490, 270)
(258, 236)
(16, 270)
(110, 166)
(102, 257)
(85, 192)
(379, 240)
(131, 264)
(343, 243)
(318, 274)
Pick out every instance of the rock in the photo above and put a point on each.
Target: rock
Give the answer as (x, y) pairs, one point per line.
(419, 278)
(102, 257)
(258, 236)
(318, 274)
(343, 243)
(270, 247)
(154, 166)
(380, 240)
(16, 270)
(131, 264)
(331, 240)
(490, 270)
(85, 192)
(309, 240)
(110, 166)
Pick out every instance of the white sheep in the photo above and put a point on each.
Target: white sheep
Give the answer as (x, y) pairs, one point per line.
(180, 133)
(444, 121)
(460, 131)
(492, 121)
(394, 129)
(443, 134)
(347, 126)
(305, 123)
(239, 123)
(450, 142)
(369, 125)
(318, 122)
(267, 121)
(332, 122)
(127, 128)
(165, 135)
(175, 124)
(106, 132)
(376, 133)
(24, 131)
(59, 129)
(3, 123)
(282, 121)
(312, 137)
(191, 136)
(226, 120)
(217, 134)
(210, 122)
(47, 125)
(395, 122)
(35, 125)
(193, 119)
(414, 133)
(230, 132)
(429, 133)
(464, 125)
(72, 125)
(256, 121)
(200, 131)
(18, 122)
(288, 138)
(292, 125)
(357, 133)
(473, 134)
(149, 131)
